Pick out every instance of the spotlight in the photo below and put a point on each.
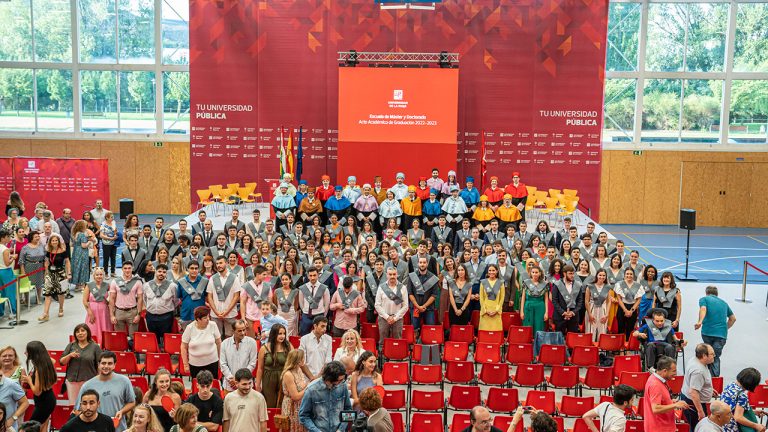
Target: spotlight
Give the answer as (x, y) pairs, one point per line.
(443, 61)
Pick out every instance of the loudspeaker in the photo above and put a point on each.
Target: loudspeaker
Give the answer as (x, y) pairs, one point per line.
(126, 207)
(688, 219)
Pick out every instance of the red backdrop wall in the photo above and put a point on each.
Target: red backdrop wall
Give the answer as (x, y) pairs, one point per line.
(531, 77)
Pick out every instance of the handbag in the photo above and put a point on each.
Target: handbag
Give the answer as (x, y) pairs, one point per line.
(282, 422)
(749, 414)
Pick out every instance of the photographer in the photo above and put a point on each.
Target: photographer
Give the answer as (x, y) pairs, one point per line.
(379, 419)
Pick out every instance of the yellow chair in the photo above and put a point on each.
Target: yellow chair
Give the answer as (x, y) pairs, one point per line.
(244, 195)
(233, 186)
(257, 197)
(530, 206)
(531, 190)
(554, 192)
(570, 208)
(540, 196)
(571, 192)
(203, 196)
(550, 206)
(217, 194)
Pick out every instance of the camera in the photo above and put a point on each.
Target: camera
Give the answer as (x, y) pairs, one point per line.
(358, 421)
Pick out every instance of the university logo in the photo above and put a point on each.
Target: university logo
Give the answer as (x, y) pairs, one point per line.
(30, 164)
(397, 95)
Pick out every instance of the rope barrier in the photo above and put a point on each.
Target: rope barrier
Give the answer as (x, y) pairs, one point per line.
(26, 275)
(18, 320)
(758, 269)
(744, 298)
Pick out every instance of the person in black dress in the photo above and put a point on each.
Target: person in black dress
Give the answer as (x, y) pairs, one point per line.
(41, 378)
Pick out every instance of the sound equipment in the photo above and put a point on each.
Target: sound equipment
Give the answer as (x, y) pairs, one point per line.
(126, 207)
(688, 219)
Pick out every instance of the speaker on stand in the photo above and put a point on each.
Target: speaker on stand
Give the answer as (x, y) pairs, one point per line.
(687, 222)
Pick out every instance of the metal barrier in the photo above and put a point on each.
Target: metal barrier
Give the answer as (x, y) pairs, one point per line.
(744, 298)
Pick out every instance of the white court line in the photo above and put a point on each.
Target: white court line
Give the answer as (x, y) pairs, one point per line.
(718, 259)
(699, 247)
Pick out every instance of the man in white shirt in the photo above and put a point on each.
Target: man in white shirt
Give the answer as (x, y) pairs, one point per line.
(391, 305)
(697, 387)
(223, 296)
(160, 302)
(720, 416)
(99, 213)
(317, 346)
(314, 301)
(237, 352)
(611, 414)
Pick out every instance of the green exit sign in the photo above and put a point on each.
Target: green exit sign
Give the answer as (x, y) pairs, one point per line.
(636, 152)
(158, 144)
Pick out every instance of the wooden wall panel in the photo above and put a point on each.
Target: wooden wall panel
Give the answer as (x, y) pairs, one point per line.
(14, 147)
(758, 208)
(626, 189)
(662, 187)
(605, 179)
(152, 177)
(84, 149)
(122, 171)
(178, 163)
(48, 148)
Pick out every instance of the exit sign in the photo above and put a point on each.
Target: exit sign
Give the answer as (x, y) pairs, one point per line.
(636, 152)
(158, 144)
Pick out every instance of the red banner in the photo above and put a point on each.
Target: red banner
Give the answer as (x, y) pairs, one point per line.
(62, 183)
(6, 177)
(530, 75)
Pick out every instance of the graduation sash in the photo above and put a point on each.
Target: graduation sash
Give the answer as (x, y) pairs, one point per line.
(597, 266)
(629, 291)
(252, 228)
(441, 233)
(347, 299)
(491, 290)
(99, 293)
(569, 297)
(159, 290)
(257, 298)
(421, 289)
(392, 295)
(249, 274)
(222, 290)
(235, 270)
(666, 298)
(415, 235)
(325, 276)
(125, 286)
(659, 334)
(313, 300)
(546, 237)
(194, 293)
(334, 232)
(173, 251)
(371, 283)
(246, 256)
(285, 303)
(534, 289)
(459, 294)
(653, 288)
(599, 297)
(473, 274)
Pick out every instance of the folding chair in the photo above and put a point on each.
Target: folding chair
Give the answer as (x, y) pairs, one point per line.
(551, 355)
(572, 406)
(427, 375)
(145, 342)
(503, 422)
(459, 372)
(520, 335)
(509, 319)
(395, 349)
(172, 343)
(115, 341)
(580, 426)
(422, 400)
(432, 335)
(636, 380)
(573, 340)
(519, 353)
(598, 378)
(541, 400)
(456, 351)
(503, 400)
(427, 422)
(462, 333)
(488, 336)
(395, 374)
(394, 400)
(487, 352)
(631, 363)
(494, 374)
(609, 342)
(585, 356)
(566, 377)
(397, 421)
(529, 375)
(463, 398)
(157, 361)
(126, 363)
(459, 422)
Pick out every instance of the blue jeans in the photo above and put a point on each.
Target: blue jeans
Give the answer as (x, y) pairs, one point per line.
(717, 345)
(428, 317)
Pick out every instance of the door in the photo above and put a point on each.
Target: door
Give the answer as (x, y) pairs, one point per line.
(703, 189)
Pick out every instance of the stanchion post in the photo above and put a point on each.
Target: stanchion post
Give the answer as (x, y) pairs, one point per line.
(18, 320)
(744, 298)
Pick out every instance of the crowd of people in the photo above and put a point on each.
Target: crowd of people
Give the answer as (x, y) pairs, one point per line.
(332, 259)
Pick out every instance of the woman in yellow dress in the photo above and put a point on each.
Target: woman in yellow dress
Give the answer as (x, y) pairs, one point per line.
(483, 215)
(491, 300)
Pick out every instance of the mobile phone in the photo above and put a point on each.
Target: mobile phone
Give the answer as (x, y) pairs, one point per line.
(347, 416)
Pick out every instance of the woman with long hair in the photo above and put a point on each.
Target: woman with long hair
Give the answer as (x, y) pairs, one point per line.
(491, 300)
(177, 269)
(365, 376)
(584, 273)
(4, 420)
(144, 420)
(286, 298)
(81, 261)
(534, 299)
(108, 235)
(7, 260)
(667, 296)
(209, 267)
(629, 293)
(10, 365)
(57, 269)
(460, 295)
(648, 280)
(271, 361)
(294, 382)
(614, 270)
(597, 300)
(41, 378)
(246, 250)
(81, 357)
(15, 201)
(565, 249)
(351, 346)
(161, 387)
(131, 227)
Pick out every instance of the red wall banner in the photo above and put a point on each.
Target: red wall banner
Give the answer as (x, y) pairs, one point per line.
(530, 76)
(61, 183)
(6, 177)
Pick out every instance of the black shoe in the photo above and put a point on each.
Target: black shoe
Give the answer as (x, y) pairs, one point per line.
(69, 296)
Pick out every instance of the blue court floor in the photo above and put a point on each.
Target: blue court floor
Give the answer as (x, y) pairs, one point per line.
(716, 254)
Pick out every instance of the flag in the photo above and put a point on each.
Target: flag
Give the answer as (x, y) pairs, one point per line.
(299, 157)
(483, 169)
(289, 156)
(281, 155)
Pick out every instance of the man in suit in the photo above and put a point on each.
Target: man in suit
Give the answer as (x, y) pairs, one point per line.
(220, 247)
(133, 252)
(158, 231)
(493, 234)
(288, 228)
(198, 226)
(147, 242)
(235, 222)
(422, 251)
(441, 233)
(464, 233)
(568, 302)
(209, 236)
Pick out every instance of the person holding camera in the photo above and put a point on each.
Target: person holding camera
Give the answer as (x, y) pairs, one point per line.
(324, 399)
(379, 419)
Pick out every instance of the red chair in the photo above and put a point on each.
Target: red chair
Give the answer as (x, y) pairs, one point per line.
(397, 422)
(573, 340)
(634, 426)
(115, 341)
(157, 361)
(503, 422)
(566, 377)
(369, 345)
(475, 319)
(631, 363)
(422, 400)
(520, 335)
(541, 400)
(409, 334)
(427, 374)
(598, 378)
(395, 349)
(487, 352)
(636, 380)
(675, 384)
(432, 335)
(572, 406)
(462, 333)
(60, 416)
(145, 342)
(494, 374)
(529, 375)
(580, 426)
(717, 384)
(610, 342)
(459, 422)
(585, 356)
(459, 372)
(633, 344)
(463, 398)
(759, 398)
(551, 355)
(509, 319)
(335, 343)
(489, 336)
(140, 382)
(395, 374)
(394, 400)
(126, 363)
(520, 354)
(502, 400)
(456, 351)
(271, 413)
(295, 341)
(172, 343)
(427, 422)
(370, 331)
(682, 427)
(55, 357)
(57, 389)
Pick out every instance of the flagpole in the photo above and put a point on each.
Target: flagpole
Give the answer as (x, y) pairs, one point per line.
(299, 157)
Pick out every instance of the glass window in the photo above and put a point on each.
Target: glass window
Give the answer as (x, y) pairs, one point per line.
(619, 112)
(751, 50)
(97, 31)
(701, 111)
(176, 31)
(749, 112)
(15, 31)
(661, 110)
(137, 34)
(137, 102)
(623, 28)
(708, 25)
(53, 37)
(176, 102)
(16, 100)
(666, 36)
(98, 91)
(54, 100)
